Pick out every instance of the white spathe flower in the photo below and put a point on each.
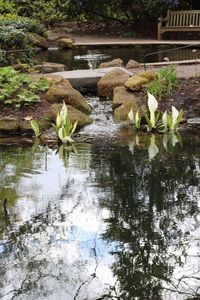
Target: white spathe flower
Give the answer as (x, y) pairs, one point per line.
(152, 105)
(137, 117)
(175, 114)
(131, 115)
(164, 120)
(63, 112)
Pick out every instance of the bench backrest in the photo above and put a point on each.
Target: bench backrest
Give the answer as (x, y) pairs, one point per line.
(183, 18)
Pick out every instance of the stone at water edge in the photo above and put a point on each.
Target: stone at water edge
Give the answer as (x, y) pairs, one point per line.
(38, 40)
(65, 43)
(123, 101)
(109, 81)
(56, 94)
(117, 62)
(48, 67)
(131, 64)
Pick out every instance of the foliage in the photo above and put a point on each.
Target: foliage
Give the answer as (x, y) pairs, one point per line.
(6, 7)
(14, 38)
(135, 119)
(164, 83)
(153, 119)
(19, 89)
(63, 127)
(48, 12)
(35, 127)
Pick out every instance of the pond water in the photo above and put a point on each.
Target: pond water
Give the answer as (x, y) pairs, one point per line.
(91, 57)
(107, 219)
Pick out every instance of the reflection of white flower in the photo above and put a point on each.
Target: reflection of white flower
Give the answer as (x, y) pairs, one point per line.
(194, 50)
(153, 149)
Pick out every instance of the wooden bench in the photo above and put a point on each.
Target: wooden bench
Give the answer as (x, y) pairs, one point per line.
(185, 21)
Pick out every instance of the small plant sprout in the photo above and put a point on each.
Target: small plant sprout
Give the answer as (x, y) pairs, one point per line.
(63, 127)
(152, 122)
(135, 119)
(34, 126)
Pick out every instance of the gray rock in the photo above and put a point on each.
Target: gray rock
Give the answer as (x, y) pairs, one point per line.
(48, 67)
(109, 81)
(117, 62)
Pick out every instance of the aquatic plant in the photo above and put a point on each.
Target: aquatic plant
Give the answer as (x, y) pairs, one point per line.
(154, 120)
(135, 119)
(63, 127)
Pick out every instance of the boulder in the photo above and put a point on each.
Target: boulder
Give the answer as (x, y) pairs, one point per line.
(58, 80)
(43, 123)
(70, 96)
(52, 36)
(131, 64)
(117, 62)
(148, 75)
(38, 40)
(109, 81)
(65, 43)
(74, 115)
(123, 101)
(136, 83)
(9, 124)
(48, 67)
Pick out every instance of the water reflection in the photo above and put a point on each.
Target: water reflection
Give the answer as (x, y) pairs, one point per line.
(98, 222)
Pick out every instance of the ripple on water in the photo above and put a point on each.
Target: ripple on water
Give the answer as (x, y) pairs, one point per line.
(102, 115)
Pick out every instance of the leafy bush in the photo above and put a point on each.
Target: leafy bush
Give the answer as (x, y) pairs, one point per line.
(19, 89)
(6, 7)
(23, 23)
(14, 36)
(164, 83)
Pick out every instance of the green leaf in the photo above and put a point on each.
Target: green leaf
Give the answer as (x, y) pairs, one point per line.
(35, 128)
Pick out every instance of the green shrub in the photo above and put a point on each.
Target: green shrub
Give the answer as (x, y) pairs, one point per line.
(164, 83)
(19, 89)
(6, 7)
(23, 23)
(14, 36)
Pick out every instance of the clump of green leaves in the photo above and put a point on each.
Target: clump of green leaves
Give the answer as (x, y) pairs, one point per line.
(15, 36)
(164, 82)
(19, 89)
(63, 127)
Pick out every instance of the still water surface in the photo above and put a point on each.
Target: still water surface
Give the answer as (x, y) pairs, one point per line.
(101, 220)
(91, 57)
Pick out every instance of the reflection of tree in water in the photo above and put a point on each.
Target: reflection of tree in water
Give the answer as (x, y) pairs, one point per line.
(152, 204)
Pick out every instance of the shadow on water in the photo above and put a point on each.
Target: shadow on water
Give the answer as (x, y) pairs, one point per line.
(101, 220)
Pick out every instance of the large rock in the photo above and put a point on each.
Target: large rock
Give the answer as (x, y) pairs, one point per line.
(74, 115)
(65, 42)
(9, 124)
(38, 40)
(117, 62)
(131, 64)
(111, 80)
(58, 80)
(136, 83)
(70, 96)
(139, 81)
(123, 102)
(48, 67)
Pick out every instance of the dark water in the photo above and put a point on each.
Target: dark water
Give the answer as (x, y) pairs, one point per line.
(101, 220)
(90, 57)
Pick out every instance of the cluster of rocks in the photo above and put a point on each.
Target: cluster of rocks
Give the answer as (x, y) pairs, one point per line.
(122, 89)
(62, 41)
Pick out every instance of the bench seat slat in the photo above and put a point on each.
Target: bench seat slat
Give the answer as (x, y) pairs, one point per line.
(188, 20)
